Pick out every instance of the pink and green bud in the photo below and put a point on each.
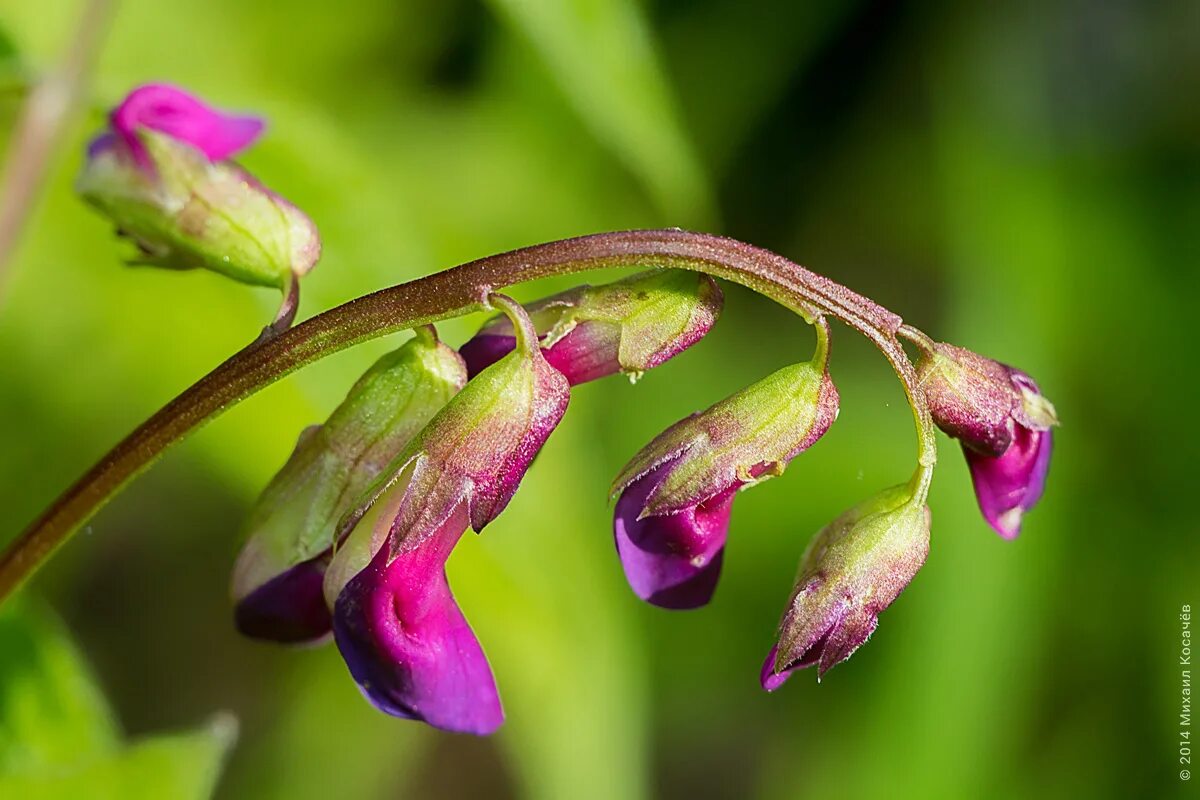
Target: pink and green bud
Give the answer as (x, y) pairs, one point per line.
(852, 570)
(278, 577)
(394, 618)
(1004, 423)
(161, 176)
(629, 326)
(672, 518)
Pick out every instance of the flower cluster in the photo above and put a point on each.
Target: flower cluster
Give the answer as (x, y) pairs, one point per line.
(352, 536)
(353, 533)
(278, 577)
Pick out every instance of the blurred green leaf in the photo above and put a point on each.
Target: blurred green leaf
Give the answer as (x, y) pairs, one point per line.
(51, 713)
(8, 50)
(770, 42)
(58, 738)
(182, 766)
(603, 56)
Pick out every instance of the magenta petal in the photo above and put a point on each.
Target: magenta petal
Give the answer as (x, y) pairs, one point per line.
(485, 349)
(408, 645)
(181, 116)
(671, 560)
(814, 652)
(289, 608)
(1008, 485)
(580, 356)
(767, 676)
(772, 680)
(586, 353)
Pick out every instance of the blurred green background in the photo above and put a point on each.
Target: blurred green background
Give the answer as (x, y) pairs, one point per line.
(1019, 178)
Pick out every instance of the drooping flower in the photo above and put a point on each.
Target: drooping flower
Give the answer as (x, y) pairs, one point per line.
(278, 577)
(407, 643)
(160, 174)
(395, 620)
(672, 518)
(594, 331)
(852, 570)
(1004, 423)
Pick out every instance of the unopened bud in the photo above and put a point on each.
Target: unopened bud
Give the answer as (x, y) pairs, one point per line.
(160, 177)
(853, 569)
(672, 518)
(593, 331)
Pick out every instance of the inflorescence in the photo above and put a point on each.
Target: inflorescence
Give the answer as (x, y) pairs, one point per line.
(351, 537)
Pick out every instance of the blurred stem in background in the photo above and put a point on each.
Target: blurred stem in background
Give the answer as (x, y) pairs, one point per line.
(48, 109)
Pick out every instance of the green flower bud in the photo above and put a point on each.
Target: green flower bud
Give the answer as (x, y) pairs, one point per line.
(628, 326)
(853, 569)
(294, 521)
(747, 437)
(186, 212)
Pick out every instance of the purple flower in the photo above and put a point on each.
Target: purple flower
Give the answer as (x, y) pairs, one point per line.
(630, 326)
(288, 608)
(672, 560)
(183, 117)
(1004, 423)
(278, 578)
(671, 521)
(407, 643)
(1008, 485)
(394, 618)
(853, 569)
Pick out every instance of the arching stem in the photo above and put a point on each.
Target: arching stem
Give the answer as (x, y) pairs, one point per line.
(452, 293)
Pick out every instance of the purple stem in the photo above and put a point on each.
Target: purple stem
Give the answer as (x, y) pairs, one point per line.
(453, 293)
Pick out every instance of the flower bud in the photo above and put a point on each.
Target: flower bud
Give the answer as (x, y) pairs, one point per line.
(594, 331)
(852, 570)
(672, 519)
(394, 618)
(159, 174)
(1003, 422)
(277, 581)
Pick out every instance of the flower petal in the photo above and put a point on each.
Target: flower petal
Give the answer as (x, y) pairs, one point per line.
(591, 332)
(289, 608)
(407, 643)
(672, 560)
(181, 116)
(1008, 485)
(485, 349)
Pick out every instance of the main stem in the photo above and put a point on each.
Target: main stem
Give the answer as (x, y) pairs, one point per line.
(452, 293)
